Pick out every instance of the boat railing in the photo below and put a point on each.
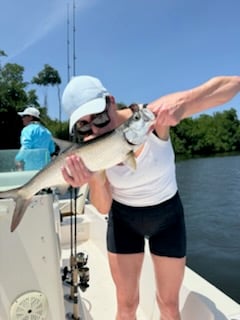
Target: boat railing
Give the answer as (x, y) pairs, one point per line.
(11, 175)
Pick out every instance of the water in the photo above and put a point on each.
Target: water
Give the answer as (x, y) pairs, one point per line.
(210, 191)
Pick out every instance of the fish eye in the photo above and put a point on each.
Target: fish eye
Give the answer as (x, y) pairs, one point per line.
(136, 116)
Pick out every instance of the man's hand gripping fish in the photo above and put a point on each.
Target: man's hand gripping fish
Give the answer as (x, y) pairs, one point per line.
(98, 154)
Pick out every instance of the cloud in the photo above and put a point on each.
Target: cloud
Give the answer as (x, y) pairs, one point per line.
(31, 23)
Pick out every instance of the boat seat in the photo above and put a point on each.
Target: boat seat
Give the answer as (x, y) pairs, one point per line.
(65, 205)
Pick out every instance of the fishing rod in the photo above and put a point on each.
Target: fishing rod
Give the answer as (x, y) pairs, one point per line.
(74, 40)
(68, 45)
(79, 273)
(74, 58)
(73, 280)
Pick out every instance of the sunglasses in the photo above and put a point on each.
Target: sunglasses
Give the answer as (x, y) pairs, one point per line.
(99, 120)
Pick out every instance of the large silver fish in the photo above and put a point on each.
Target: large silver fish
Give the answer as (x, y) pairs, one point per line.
(98, 154)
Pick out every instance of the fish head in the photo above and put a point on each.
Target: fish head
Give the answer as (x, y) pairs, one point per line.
(139, 125)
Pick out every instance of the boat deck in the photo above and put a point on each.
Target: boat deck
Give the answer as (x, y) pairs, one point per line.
(98, 301)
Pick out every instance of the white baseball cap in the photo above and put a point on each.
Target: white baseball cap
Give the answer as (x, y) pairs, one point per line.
(82, 96)
(30, 111)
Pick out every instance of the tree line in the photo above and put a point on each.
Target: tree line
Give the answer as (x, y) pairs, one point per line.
(16, 94)
(202, 136)
(208, 135)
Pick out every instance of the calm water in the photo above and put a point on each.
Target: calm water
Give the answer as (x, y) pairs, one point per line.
(210, 191)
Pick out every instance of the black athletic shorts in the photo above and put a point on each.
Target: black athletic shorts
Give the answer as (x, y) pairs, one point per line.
(163, 225)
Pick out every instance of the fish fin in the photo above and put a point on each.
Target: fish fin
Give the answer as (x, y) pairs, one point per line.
(63, 144)
(10, 194)
(131, 160)
(20, 208)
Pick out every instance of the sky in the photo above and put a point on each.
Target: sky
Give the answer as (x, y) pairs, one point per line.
(140, 49)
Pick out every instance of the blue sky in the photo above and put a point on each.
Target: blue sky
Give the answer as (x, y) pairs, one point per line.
(140, 49)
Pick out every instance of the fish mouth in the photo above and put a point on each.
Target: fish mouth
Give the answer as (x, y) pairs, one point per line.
(93, 138)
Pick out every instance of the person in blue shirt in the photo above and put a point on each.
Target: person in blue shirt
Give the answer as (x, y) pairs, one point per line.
(36, 140)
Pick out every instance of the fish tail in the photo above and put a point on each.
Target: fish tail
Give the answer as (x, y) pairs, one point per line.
(12, 194)
(21, 204)
(20, 208)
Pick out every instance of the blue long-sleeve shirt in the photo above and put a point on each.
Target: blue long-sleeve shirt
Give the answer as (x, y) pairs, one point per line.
(36, 146)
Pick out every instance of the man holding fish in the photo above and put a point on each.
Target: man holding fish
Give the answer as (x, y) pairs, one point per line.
(142, 203)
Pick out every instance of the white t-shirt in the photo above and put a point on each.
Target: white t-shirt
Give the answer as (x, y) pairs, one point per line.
(154, 180)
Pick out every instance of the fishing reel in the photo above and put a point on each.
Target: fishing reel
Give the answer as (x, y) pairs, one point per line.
(83, 271)
(81, 260)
